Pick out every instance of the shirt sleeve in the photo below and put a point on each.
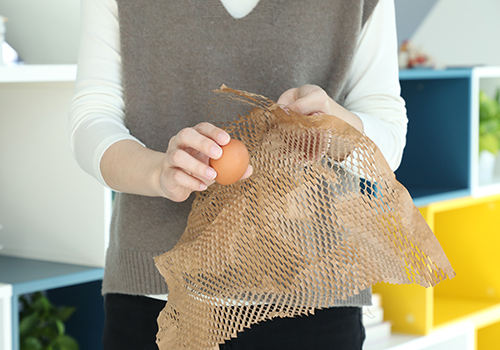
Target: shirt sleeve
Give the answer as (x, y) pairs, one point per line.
(373, 88)
(97, 109)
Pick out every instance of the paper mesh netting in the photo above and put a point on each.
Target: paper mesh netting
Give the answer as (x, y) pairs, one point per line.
(321, 219)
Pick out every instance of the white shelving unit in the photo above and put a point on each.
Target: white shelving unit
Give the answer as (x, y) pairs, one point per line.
(38, 73)
(5, 316)
(65, 284)
(54, 218)
(486, 79)
(49, 208)
(460, 336)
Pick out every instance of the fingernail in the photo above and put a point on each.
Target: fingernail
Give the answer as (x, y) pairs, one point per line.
(211, 174)
(223, 138)
(285, 109)
(216, 152)
(203, 187)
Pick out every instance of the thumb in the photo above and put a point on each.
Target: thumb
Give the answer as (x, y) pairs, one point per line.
(288, 97)
(300, 106)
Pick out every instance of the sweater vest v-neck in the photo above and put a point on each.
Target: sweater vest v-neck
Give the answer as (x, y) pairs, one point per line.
(174, 54)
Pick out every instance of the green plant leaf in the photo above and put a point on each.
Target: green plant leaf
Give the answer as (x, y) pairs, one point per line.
(65, 312)
(44, 325)
(25, 306)
(31, 343)
(49, 330)
(490, 143)
(488, 108)
(28, 325)
(65, 342)
(60, 327)
(489, 126)
(43, 305)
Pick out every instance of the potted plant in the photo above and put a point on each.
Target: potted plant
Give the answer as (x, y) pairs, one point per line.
(489, 135)
(41, 325)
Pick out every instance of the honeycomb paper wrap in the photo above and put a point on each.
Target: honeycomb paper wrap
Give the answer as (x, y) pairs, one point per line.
(321, 218)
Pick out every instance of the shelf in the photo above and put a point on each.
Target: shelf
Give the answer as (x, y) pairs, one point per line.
(38, 73)
(27, 275)
(5, 315)
(437, 156)
(78, 285)
(429, 73)
(424, 196)
(440, 160)
(459, 336)
(486, 79)
(487, 71)
(487, 188)
(452, 310)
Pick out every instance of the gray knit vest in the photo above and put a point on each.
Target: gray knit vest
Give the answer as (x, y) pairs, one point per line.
(174, 54)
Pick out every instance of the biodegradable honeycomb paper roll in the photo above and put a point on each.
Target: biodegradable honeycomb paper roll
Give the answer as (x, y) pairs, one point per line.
(321, 219)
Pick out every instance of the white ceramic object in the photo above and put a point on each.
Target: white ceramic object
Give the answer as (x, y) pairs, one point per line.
(486, 167)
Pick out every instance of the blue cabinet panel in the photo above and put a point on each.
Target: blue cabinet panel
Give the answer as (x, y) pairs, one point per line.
(436, 160)
(87, 323)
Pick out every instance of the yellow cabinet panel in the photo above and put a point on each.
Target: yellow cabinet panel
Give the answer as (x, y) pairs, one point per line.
(469, 231)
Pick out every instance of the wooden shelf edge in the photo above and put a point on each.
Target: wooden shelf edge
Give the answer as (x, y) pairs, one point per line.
(39, 73)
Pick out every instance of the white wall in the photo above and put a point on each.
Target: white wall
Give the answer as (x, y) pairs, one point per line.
(49, 208)
(43, 31)
(462, 32)
(409, 15)
(47, 31)
(456, 32)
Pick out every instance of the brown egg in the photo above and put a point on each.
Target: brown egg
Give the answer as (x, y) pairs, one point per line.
(233, 163)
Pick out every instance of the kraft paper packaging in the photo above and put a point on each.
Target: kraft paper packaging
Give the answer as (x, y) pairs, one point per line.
(321, 218)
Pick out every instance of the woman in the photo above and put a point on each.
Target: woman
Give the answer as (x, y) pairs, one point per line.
(146, 70)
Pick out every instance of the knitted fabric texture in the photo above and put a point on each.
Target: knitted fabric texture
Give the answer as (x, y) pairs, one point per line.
(322, 218)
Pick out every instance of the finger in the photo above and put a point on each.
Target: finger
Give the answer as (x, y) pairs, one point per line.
(302, 106)
(211, 131)
(190, 138)
(307, 99)
(312, 103)
(182, 160)
(247, 173)
(177, 180)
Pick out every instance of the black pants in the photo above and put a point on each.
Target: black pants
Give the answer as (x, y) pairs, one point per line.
(131, 325)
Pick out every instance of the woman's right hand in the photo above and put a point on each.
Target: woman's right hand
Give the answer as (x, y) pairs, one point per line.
(186, 168)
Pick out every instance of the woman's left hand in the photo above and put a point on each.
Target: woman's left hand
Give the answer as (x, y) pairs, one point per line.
(312, 100)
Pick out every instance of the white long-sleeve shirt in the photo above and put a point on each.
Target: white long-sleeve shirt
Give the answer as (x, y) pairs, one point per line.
(97, 109)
